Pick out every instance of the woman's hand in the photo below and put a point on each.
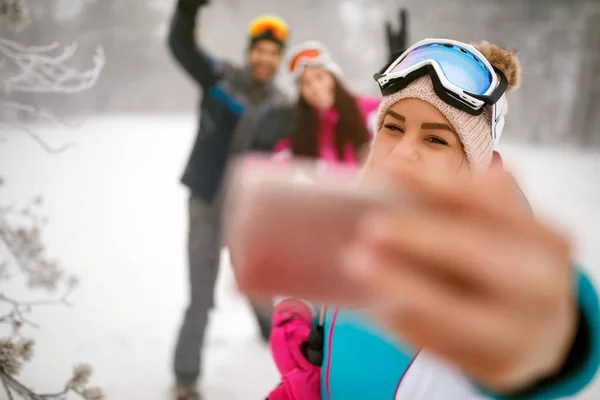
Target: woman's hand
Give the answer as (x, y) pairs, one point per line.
(472, 276)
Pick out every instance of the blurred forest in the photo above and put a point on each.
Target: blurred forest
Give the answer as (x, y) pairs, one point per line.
(558, 41)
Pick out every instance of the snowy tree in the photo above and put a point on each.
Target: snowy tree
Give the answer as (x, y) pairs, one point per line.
(36, 70)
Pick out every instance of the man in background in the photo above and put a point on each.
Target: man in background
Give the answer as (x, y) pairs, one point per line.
(241, 110)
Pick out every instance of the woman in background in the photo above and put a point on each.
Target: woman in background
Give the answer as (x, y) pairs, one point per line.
(330, 123)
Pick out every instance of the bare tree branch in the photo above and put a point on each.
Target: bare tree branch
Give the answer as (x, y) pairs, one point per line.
(18, 387)
(77, 384)
(14, 351)
(42, 70)
(17, 305)
(23, 243)
(34, 111)
(36, 138)
(39, 70)
(45, 70)
(6, 388)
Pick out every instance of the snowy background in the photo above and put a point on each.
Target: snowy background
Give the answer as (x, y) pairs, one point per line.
(557, 41)
(118, 215)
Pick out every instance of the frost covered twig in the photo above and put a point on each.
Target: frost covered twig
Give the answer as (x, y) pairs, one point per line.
(21, 241)
(16, 350)
(41, 70)
(44, 69)
(16, 316)
(31, 110)
(34, 70)
(22, 247)
(36, 138)
(77, 384)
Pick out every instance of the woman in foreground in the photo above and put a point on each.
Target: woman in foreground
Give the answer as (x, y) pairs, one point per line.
(470, 297)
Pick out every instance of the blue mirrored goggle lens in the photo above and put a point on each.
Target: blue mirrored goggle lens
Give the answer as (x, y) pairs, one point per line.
(461, 67)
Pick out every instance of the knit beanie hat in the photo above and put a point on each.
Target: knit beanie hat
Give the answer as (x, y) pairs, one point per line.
(474, 131)
(268, 27)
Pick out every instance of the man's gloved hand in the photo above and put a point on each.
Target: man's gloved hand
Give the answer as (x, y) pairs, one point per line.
(397, 39)
(191, 5)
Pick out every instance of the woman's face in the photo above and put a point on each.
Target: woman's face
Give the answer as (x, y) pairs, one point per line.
(416, 134)
(317, 87)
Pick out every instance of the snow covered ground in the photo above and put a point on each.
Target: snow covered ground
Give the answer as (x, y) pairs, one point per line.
(118, 220)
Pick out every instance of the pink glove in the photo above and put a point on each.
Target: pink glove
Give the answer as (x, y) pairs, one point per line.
(299, 385)
(301, 380)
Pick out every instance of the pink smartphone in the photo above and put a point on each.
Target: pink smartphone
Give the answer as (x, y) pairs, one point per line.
(287, 225)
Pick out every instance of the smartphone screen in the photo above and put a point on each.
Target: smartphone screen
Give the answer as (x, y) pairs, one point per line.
(287, 226)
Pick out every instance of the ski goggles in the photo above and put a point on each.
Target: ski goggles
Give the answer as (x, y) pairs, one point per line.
(461, 75)
(305, 55)
(266, 25)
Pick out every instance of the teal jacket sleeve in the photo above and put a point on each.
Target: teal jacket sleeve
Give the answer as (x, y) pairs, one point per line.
(583, 361)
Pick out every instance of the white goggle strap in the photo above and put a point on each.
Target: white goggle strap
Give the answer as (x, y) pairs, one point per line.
(499, 111)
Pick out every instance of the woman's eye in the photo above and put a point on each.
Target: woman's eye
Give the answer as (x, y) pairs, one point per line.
(393, 128)
(437, 140)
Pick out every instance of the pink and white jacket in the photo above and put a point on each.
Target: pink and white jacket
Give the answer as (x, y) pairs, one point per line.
(328, 120)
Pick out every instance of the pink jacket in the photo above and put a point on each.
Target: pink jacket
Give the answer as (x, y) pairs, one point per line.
(327, 151)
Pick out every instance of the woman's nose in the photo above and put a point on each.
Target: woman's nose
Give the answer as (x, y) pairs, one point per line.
(406, 148)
